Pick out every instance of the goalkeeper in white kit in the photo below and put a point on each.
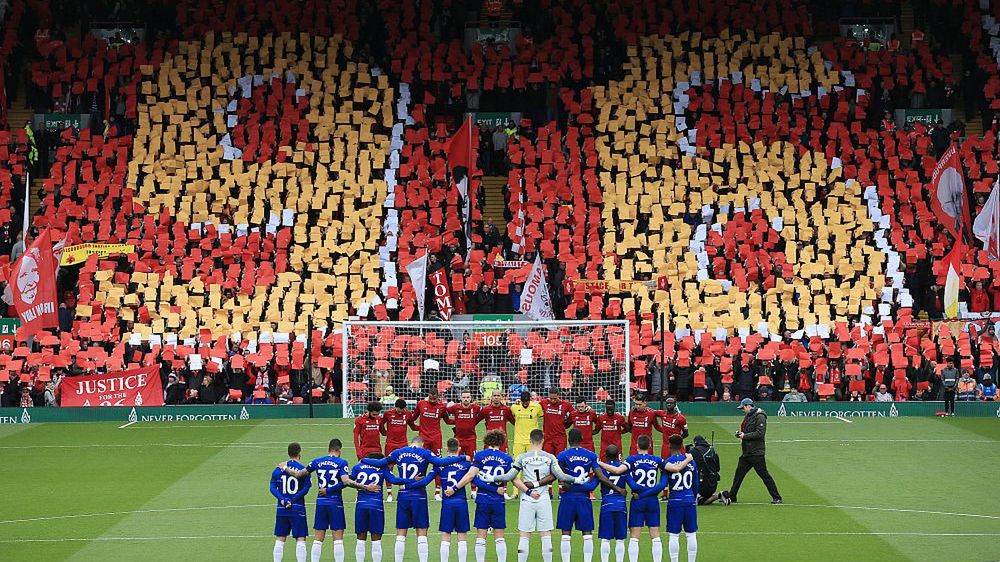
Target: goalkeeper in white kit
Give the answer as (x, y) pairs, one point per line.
(538, 470)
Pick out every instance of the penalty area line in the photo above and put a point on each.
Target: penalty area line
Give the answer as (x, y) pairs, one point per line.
(720, 533)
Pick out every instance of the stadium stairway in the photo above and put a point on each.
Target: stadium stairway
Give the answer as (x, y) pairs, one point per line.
(493, 206)
(905, 23)
(973, 123)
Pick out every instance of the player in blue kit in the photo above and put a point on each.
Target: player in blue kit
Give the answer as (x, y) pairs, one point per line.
(682, 504)
(642, 472)
(454, 508)
(331, 478)
(491, 511)
(574, 506)
(291, 512)
(413, 463)
(369, 512)
(613, 523)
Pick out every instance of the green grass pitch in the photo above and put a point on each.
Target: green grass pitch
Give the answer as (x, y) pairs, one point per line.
(868, 489)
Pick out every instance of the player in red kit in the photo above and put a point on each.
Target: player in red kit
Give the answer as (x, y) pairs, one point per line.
(554, 422)
(395, 422)
(368, 431)
(612, 425)
(584, 419)
(640, 422)
(465, 417)
(497, 415)
(427, 418)
(670, 422)
(430, 413)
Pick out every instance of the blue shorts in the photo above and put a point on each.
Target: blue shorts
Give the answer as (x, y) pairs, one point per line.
(491, 515)
(644, 512)
(329, 517)
(454, 517)
(411, 513)
(575, 510)
(682, 516)
(368, 520)
(613, 525)
(295, 523)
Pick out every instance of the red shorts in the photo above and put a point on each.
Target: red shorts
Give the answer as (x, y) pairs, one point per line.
(554, 447)
(635, 450)
(468, 446)
(390, 447)
(433, 444)
(362, 453)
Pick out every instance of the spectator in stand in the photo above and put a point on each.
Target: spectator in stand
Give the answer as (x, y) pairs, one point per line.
(966, 387)
(883, 394)
(979, 299)
(795, 395)
(175, 391)
(856, 397)
(986, 390)
(949, 385)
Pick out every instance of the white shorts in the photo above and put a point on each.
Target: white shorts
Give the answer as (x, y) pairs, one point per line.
(535, 515)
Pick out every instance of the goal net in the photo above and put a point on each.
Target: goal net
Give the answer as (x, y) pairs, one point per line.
(384, 361)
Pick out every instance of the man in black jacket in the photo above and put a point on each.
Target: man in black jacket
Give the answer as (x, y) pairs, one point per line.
(751, 433)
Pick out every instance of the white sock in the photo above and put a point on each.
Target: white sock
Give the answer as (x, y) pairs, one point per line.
(480, 550)
(300, 551)
(547, 549)
(522, 549)
(377, 551)
(605, 550)
(619, 551)
(422, 549)
(588, 548)
(317, 551)
(501, 545)
(338, 551)
(633, 550)
(445, 551)
(400, 547)
(565, 548)
(658, 551)
(463, 551)
(359, 551)
(279, 550)
(692, 542)
(674, 547)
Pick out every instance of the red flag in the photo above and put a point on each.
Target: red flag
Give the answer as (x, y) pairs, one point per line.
(135, 387)
(948, 196)
(459, 147)
(33, 286)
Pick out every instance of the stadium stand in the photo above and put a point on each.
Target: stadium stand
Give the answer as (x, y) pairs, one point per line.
(278, 162)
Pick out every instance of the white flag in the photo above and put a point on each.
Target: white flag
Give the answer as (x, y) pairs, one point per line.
(417, 270)
(535, 301)
(987, 224)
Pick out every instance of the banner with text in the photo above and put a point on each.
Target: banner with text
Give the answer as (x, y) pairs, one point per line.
(77, 254)
(135, 387)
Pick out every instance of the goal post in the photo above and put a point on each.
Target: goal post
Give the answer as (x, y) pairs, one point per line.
(384, 361)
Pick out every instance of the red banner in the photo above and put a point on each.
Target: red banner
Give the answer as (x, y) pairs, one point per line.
(33, 286)
(949, 200)
(135, 387)
(442, 294)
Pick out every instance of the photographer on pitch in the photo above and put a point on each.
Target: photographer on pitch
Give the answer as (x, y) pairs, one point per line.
(751, 433)
(709, 468)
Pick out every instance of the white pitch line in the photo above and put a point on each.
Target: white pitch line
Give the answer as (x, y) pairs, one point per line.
(351, 502)
(126, 425)
(701, 532)
(890, 509)
(843, 419)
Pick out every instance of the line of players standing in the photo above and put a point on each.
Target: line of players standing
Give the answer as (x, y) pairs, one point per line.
(490, 470)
